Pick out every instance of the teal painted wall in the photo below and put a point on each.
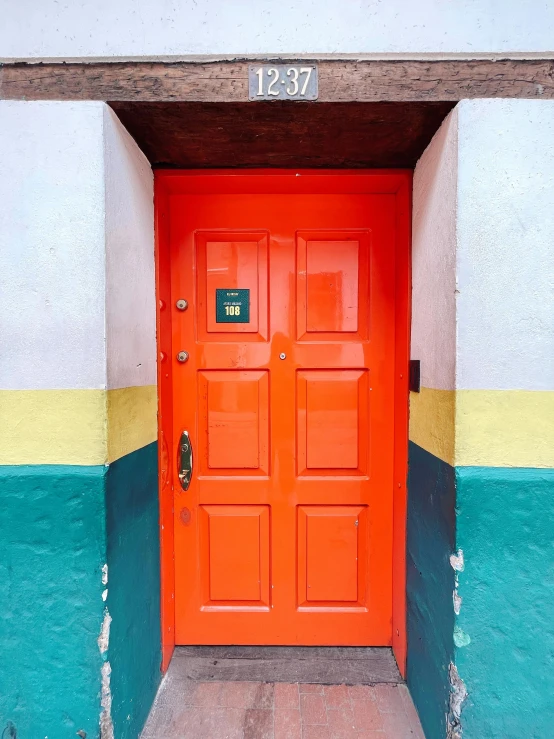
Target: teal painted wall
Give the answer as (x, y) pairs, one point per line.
(430, 583)
(59, 526)
(505, 526)
(133, 588)
(52, 542)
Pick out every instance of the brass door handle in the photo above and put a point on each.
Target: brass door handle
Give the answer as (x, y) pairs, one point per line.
(184, 463)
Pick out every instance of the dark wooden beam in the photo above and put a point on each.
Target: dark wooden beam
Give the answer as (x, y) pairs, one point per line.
(339, 81)
(279, 134)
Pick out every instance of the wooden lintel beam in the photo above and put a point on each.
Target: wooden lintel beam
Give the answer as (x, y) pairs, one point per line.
(339, 81)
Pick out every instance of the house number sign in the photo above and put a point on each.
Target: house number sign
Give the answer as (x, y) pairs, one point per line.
(282, 82)
(232, 306)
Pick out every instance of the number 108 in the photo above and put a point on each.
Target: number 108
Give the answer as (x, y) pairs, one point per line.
(232, 310)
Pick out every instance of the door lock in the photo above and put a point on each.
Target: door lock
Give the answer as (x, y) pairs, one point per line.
(182, 357)
(184, 460)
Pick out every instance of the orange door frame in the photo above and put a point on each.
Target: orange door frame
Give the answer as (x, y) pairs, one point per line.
(396, 182)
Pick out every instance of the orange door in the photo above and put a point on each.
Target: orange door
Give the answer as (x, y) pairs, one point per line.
(284, 535)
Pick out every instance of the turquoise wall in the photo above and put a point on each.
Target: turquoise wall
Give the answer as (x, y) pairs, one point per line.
(133, 587)
(430, 583)
(59, 526)
(503, 521)
(505, 526)
(53, 547)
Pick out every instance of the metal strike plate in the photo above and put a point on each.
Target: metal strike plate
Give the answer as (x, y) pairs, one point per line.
(185, 460)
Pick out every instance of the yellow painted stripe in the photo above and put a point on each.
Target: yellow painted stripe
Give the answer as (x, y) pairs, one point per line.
(82, 427)
(53, 427)
(490, 428)
(132, 419)
(505, 428)
(432, 422)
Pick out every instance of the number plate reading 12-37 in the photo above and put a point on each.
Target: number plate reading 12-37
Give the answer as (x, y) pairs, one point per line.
(282, 82)
(232, 306)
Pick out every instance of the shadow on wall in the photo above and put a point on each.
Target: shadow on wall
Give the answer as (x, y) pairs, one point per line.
(133, 588)
(430, 585)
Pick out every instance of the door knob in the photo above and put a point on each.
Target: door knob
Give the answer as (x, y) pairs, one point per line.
(184, 462)
(182, 357)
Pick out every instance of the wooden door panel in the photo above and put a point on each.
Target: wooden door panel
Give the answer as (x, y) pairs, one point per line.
(233, 417)
(235, 561)
(332, 285)
(333, 421)
(332, 556)
(228, 260)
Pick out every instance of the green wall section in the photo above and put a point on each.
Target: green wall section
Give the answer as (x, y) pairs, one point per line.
(430, 583)
(505, 526)
(133, 588)
(52, 543)
(59, 526)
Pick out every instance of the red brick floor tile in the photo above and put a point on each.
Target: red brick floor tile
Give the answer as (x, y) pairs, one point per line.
(389, 699)
(372, 735)
(408, 704)
(206, 694)
(263, 697)
(258, 724)
(310, 688)
(238, 694)
(341, 722)
(286, 695)
(312, 708)
(336, 696)
(287, 723)
(201, 722)
(398, 726)
(361, 692)
(367, 716)
(315, 732)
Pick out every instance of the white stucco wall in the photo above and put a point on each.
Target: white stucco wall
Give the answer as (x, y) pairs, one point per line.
(52, 272)
(506, 245)
(433, 339)
(146, 28)
(76, 250)
(130, 282)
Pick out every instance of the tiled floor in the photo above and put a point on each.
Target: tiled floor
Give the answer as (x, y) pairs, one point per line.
(186, 709)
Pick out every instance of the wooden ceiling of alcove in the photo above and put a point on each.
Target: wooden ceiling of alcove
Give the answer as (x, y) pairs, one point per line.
(282, 134)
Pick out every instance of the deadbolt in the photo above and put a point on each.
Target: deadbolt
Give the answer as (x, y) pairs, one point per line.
(282, 355)
(182, 304)
(182, 356)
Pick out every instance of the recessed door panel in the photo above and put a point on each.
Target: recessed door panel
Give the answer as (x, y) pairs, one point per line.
(333, 413)
(230, 261)
(236, 557)
(332, 285)
(287, 537)
(332, 556)
(234, 421)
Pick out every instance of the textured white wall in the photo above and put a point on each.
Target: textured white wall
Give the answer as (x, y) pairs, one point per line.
(76, 250)
(433, 338)
(506, 245)
(158, 28)
(130, 282)
(52, 277)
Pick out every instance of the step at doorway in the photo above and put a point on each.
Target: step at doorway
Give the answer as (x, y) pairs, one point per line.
(242, 692)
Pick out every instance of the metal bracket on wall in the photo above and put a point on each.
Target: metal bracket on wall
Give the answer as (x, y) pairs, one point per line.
(415, 375)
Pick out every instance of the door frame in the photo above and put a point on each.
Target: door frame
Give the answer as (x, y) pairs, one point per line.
(389, 181)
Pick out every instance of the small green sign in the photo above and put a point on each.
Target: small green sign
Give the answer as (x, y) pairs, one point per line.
(232, 306)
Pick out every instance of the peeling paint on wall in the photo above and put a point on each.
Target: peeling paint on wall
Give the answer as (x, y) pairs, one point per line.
(104, 637)
(457, 561)
(106, 724)
(458, 695)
